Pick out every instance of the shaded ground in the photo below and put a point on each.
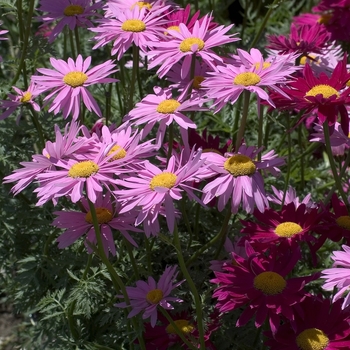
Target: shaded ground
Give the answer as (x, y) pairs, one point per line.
(8, 326)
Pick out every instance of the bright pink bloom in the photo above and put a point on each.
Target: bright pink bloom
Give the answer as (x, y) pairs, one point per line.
(318, 325)
(77, 224)
(71, 13)
(259, 282)
(339, 277)
(149, 5)
(69, 81)
(185, 43)
(239, 178)
(148, 296)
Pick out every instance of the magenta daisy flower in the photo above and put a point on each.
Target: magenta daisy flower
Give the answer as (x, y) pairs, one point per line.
(69, 81)
(185, 43)
(239, 178)
(150, 5)
(227, 82)
(71, 13)
(77, 224)
(148, 296)
(329, 96)
(154, 187)
(319, 325)
(301, 40)
(259, 282)
(136, 26)
(165, 109)
(22, 99)
(339, 277)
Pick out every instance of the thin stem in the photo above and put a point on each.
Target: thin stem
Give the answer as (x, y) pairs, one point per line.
(87, 267)
(132, 258)
(302, 171)
(77, 41)
(170, 141)
(289, 161)
(72, 44)
(133, 77)
(39, 129)
(241, 130)
(149, 256)
(192, 286)
(332, 164)
(260, 129)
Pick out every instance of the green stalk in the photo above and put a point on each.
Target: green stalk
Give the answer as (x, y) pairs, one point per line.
(132, 258)
(88, 265)
(170, 141)
(38, 127)
(302, 171)
(77, 41)
(337, 179)
(72, 44)
(260, 129)
(192, 286)
(289, 161)
(133, 76)
(241, 130)
(149, 256)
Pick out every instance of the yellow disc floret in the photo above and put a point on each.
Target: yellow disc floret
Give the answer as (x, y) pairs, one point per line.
(197, 80)
(26, 97)
(246, 79)
(344, 221)
(75, 79)
(73, 10)
(118, 152)
(240, 165)
(168, 106)
(323, 89)
(265, 65)
(187, 43)
(185, 327)
(104, 215)
(166, 179)
(133, 25)
(154, 296)
(85, 168)
(142, 4)
(312, 339)
(270, 283)
(288, 229)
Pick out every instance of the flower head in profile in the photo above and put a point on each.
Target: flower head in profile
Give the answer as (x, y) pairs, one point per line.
(137, 26)
(71, 13)
(339, 276)
(149, 5)
(77, 224)
(148, 296)
(22, 99)
(69, 82)
(239, 178)
(185, 43)
(301, 40)
(319, 325)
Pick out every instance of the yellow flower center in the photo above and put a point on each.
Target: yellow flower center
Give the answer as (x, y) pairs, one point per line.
(73, 10)
(26, 97)
(187, 43)
(324, 19)
(184, 326)
(104, 215)
(142, 4)
(197, 80)
(85, 168)
(265, 65)
(118, 152)
(325, 90)
(168, 106)
(166, 179)
(304, 59)
(246, 79)
(312, 339)
(133, 25)
(270, 283)
(344, 221)
(75, 79)
(240, 165)
(154, 296)
(177, 28)
(288, 229)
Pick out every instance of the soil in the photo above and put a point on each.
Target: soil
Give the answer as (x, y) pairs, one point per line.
(8, 326)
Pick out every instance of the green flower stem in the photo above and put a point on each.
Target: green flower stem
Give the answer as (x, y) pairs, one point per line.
(71, 323)
(133, 76)
(137, 64)
(77, 40)
(26, 35)
(39, 129)
(222, 233)
(289, 161)
(149, 256)
(132, 258)
(241, 130)
(192, 286)
(88, 265)
(302, 165)
(116, 280)
(170, 141)
(71, 39)
(186, 219)
(337, 178)
(108, 95)
(260, 129)
(177, 329)
(264, 22)
(236, 121)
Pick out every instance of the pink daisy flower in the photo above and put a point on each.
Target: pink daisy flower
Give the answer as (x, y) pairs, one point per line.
(154, 187)
(185, 43)
(148, 296)
(76, 224)
(227, 82)
(165, 109)
(71, 13)
(3, 32)
(149, 5)
(239, 178)
(22, 99)
(301, 40)
(318, 325)
(259, 282)
(136, 26)
(339, 277)
(69, 81)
